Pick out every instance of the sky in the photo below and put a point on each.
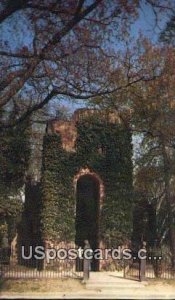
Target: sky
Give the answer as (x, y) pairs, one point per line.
(145, 24)
(10, 30)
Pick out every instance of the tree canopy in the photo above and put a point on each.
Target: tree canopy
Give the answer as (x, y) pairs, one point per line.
(70, 52)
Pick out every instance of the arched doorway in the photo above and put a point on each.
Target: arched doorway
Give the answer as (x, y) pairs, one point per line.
(87, 213)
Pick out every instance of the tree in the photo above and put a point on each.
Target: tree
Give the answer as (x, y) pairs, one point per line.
(167, 35)
(155, 118)
(147, 108)
(70, 52)
(14, 157)
(66, 37)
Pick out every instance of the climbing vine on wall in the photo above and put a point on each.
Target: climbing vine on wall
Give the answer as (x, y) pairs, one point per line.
(57, 217)
(104, 148)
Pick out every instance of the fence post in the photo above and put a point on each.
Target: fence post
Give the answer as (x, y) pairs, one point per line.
(142, 265)
(86, 262)
(124, 271)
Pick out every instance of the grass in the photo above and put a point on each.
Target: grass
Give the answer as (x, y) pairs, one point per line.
(159, 281)
(44, 286)
(40, 285)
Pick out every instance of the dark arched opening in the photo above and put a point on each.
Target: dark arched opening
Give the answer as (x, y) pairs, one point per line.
(87, 214)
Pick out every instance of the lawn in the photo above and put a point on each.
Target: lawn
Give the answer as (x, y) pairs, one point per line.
(40, 285)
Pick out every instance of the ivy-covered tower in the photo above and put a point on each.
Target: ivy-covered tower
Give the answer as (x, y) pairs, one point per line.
(86, 186)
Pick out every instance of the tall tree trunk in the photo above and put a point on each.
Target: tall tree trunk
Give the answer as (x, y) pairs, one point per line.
(168, 199)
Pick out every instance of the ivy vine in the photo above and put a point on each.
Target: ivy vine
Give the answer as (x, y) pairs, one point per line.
(104, 148)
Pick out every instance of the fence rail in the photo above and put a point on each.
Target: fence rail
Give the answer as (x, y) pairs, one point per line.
(153, 269)
(12, 265)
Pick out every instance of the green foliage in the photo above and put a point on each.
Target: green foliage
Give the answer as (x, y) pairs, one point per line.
(14, 157)
(104, 148)
(57, 196)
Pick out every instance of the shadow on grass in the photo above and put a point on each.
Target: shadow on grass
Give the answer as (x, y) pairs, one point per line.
(132, 278)
(2, 283)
